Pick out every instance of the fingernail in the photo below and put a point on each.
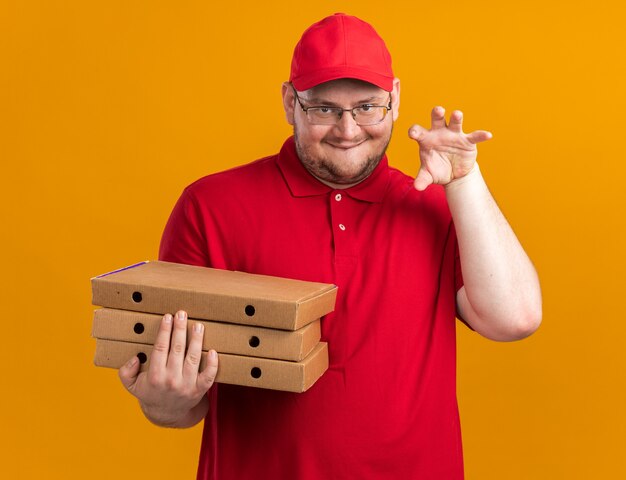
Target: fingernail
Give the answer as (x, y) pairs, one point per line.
(167, 318)
(213, 354)
(198, 327)
(132, 362)
(182, 315)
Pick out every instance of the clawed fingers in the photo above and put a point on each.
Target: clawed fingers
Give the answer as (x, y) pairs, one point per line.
(479, 136)
(456, 121)
(416, 132)
(455, 125)
(423, 179)
(438, 118)
(438, 121)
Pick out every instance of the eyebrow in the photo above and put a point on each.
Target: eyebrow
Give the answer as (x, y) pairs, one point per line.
(320, 101)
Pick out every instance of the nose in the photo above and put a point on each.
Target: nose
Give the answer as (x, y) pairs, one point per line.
(346, 126)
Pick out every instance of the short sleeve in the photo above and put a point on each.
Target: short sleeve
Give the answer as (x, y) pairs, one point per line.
(183, 240)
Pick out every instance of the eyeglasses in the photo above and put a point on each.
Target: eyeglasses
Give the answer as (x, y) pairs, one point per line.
(363, 115)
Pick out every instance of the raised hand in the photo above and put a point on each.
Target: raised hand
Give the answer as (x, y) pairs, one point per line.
(446, 153)
(171, 392)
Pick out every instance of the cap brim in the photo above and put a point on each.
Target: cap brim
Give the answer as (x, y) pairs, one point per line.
(304, 82)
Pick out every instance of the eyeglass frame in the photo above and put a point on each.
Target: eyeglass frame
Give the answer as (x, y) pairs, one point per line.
(341, 110)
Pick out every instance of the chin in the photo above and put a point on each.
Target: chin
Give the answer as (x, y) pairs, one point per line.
(329, 163)
(328, 171)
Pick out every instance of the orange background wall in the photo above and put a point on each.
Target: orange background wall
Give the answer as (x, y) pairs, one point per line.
(109, 108)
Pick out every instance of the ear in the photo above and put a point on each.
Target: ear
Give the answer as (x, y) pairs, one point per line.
(288, 102)
(395, 99)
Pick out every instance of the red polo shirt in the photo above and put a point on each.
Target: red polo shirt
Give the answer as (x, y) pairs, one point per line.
(386, 408)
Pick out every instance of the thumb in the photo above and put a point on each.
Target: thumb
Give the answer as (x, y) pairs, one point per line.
(416, 132)
(423, 179)
(479, 136)
(129, 372)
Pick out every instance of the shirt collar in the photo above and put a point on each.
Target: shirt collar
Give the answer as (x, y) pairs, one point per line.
(302, 184)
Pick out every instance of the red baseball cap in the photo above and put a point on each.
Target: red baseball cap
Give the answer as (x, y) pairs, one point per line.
(341, 46)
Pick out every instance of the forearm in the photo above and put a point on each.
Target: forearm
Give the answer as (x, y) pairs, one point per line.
(176, 420)
(501, 298)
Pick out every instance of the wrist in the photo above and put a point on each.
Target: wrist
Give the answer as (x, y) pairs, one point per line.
(468, 177)
(160, 417)
(180, 418)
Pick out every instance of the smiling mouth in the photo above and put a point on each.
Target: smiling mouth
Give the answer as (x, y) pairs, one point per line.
(345, 146)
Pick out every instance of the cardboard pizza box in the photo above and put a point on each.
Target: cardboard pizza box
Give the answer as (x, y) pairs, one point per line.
(232, 369)
(213, 294)
(138, 327)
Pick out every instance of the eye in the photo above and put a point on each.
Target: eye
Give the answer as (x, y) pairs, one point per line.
(323, 112)
(368, 110)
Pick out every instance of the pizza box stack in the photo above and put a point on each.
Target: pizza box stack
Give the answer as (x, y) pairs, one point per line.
(265, 329)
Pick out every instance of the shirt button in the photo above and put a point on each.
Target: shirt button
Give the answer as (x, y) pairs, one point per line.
(338, 197)
(342, 226)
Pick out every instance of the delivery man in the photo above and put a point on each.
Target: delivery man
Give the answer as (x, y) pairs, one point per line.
(408, 255)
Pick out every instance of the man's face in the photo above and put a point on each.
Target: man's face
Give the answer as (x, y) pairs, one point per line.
(345, 153)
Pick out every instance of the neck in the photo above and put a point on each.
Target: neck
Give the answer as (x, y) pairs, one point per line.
(337, 186)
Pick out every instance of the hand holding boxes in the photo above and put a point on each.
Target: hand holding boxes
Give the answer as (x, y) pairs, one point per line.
(265, 329)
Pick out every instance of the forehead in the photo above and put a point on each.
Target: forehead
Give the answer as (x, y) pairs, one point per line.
(345, 90)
